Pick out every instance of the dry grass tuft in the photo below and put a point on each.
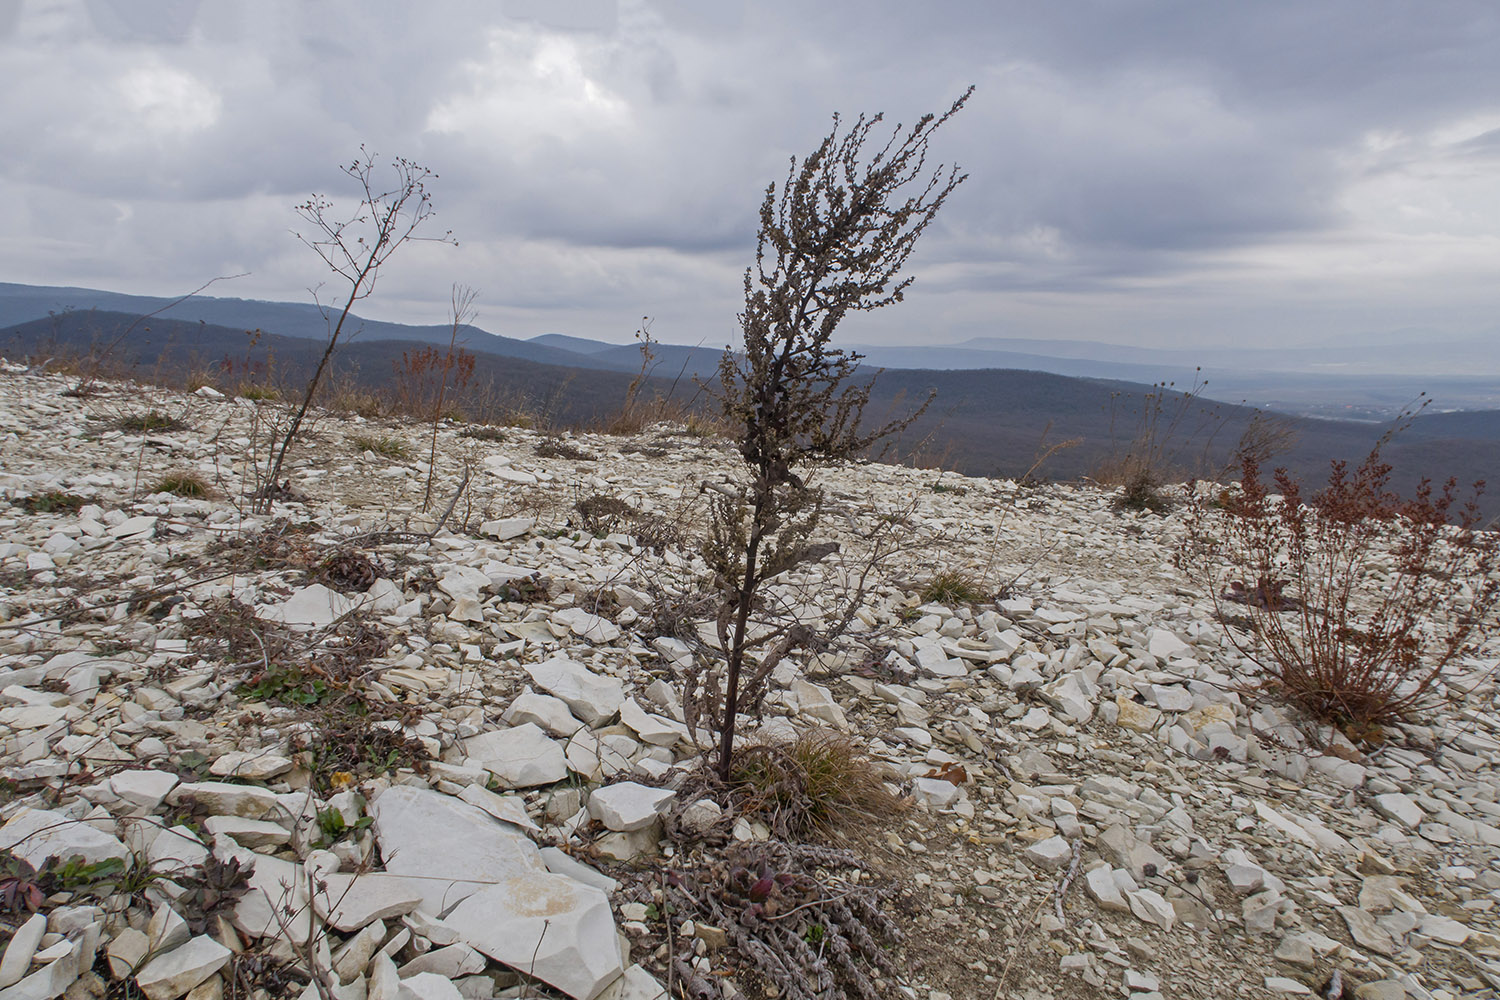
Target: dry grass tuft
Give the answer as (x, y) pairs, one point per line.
(950, 588)
(821, 781)
(384, 445)
(184, 483)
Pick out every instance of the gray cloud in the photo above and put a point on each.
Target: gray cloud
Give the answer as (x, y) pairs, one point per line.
(1163, 169)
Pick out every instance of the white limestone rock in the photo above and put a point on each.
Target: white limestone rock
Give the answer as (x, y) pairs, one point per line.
(521, 757)
(449, 847)
(1399, 807)
(254, 765)
(353, 901)
(627, 806)
(585, 625)
(816, 702)
(650, 728)
(1100, 883)
(172, 974)
(592, 697)
(222, 798)
(313, 606)
(143, 788)
(504, 529)
(36, 834)
(1052, 853)
(506, 808)
(547, 925)
(251, 833)
(21, 947)
(551, 714)
(937, 793)
(635, 983)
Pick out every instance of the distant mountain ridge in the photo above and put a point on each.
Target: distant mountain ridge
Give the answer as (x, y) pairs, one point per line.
(1341, 380)
(983, 421)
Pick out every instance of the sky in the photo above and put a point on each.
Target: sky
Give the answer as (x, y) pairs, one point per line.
(1167, 173)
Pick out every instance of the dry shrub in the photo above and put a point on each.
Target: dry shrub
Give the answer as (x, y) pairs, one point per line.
(1357, 597)
(556, 447)
(817, 783)
(483, 432)
(796, 928)
(349, 571)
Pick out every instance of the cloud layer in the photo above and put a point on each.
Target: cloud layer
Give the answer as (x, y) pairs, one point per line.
(1155, 172)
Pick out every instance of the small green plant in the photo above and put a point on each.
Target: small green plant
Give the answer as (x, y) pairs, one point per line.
(385, 445)
(215, 887)
(150, 421)
(286, 685)
(27, 887)
(333, 827)
(259, 393)
(951, 587)
(184, 484)
(51, 502)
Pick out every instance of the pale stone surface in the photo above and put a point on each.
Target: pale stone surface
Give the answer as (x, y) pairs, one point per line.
(628, 806)
(1396, 806)
(350, 902)
(1054, 852)
(635, 983)
(936, 792)
(585, 625)
(224, 799)
(592, 697)
(18, 951)
(37, 834)
(506, 808)
(251, 765)
(450, 848)
(521, 757)
(143, 788)
(251, 833)
(551, 714)
(172, 974)
(313, 606)
(547, 925)
(1101, 885)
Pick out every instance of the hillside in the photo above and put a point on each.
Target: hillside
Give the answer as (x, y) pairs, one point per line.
(982, 422)
(449, 744)
(1369, 379)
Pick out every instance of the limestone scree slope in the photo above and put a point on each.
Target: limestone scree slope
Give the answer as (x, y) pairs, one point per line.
(1096, 805)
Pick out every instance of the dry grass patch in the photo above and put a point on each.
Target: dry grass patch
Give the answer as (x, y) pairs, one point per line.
(817, 783)
(184, 483)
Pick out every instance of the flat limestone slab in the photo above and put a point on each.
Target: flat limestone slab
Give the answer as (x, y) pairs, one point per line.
(451, 848)
(549, 926)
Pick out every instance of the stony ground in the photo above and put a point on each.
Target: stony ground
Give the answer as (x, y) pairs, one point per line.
(1094, 805)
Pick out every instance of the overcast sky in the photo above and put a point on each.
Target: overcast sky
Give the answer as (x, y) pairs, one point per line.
(1154, 172)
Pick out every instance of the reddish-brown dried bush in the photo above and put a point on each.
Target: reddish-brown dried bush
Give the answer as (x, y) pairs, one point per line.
(1357, 598)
